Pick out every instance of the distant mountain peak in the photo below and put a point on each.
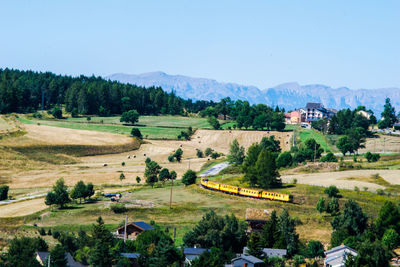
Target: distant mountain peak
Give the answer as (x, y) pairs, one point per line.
(289, 95)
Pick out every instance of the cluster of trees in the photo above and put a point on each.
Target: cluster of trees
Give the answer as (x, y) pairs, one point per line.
(225, 236)
(278, 232)
(131, 116)
(22, 91)
(97, 248)
(259, 165)
(60, 196)
(258, 117)
(374, 240)
(347, 119)
(186, 134)
(177, 155)
(154, 173)
(4, 192)
(332, 206)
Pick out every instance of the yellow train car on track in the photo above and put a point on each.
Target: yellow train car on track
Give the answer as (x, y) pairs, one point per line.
(230, 189)
(245, 192)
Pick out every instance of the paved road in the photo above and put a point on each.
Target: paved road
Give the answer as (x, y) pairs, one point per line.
(22, 198)
(215, 170)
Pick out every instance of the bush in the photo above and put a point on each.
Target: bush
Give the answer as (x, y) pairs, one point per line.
(123, 163)
(42, 231)
(330, 157)
(372, 157)
(118, 208)
(56, 234)
(380, 192)
(135, 132)
(332, 191)
(57, 113)
(4, 192)
(199, 153)
(189, 177)
(208, 151)
(215, 155)
(37, 115)
(171, 158)
(284, 160)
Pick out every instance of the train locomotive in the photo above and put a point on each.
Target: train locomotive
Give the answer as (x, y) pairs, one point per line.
(245, 192)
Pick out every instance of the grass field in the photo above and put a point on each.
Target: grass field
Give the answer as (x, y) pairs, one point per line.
(147, 132)
(319, 137)
(153, 121)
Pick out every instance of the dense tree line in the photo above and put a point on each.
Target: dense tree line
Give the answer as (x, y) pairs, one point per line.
(259, 117)
(21, 91)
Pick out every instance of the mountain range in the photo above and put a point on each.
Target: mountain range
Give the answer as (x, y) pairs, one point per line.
(288, 95)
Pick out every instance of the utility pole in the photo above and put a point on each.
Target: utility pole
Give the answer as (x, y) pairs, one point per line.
(126, 218)
(170, 195)
(315, 150)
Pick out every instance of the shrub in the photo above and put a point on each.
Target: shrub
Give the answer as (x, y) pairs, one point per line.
(88, 118)
(57, 113)
(49, 232)
(199, 153)
(380, 192)
(372, 157)
(284, 160)
(118, 208)
(42, 231)
(208, 151)
(56, 234)
(4, 192)
(171, 158)
(215, 155)
(138, 179)
(135, 132)
(330, 157)
(189, 177)
(122, 176)
(123, 164)
(37, 115)
(332, 191)
(294, 181)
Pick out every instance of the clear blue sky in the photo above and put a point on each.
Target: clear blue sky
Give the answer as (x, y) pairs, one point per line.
(262, 43)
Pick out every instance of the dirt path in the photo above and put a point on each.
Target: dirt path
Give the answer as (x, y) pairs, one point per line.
(339, 178)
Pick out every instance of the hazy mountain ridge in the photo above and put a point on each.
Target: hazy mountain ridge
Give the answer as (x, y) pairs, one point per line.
(288, 95)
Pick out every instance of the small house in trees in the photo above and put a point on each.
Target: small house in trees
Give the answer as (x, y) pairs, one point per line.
(247, 261)
(41, 257)
(337, 256)
(132, 257)
(192, 253)
(256, 219)
(133, 230)
(269, 252)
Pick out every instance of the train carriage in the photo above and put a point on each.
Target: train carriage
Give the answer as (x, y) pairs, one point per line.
(268, 195)
(282, 197)
(229, 189)
(250, 192)
(213, 185)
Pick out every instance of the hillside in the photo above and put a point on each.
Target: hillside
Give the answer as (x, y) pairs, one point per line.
(288, 95)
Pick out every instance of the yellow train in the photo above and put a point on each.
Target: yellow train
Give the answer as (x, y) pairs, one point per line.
(246, 192)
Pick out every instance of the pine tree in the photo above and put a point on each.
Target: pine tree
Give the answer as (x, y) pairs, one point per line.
(236, 153)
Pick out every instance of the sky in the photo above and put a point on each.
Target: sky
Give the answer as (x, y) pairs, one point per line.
(263, 43)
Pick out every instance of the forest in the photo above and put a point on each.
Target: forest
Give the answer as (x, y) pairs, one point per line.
(28, 91)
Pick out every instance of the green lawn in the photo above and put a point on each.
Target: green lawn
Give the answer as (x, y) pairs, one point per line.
(153, 121)
(319, 137)
(147, 132)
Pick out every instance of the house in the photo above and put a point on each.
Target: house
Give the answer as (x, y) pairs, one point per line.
(247, 261)
(337, 256)
(192, 253)
(269, 252)
(133, 230)
(272, 252)
(295, 117)
(364, 113)
(256, 219)
(316, 111)
(132, 257)
(42, 256)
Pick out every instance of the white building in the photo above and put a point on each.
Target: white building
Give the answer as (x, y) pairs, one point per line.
(336, 257)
